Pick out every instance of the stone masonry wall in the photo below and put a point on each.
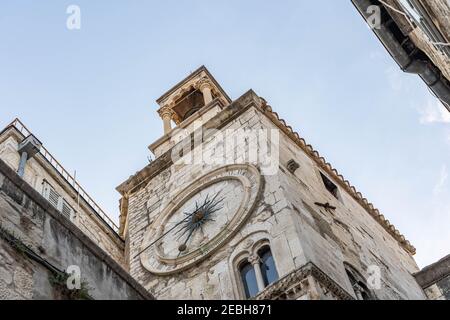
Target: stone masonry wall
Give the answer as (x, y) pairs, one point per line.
(347, 234)
(37, 244)
(435, 279)
(440, 290)
(36, 172)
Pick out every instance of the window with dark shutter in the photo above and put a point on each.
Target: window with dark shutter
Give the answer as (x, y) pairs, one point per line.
(330, 186)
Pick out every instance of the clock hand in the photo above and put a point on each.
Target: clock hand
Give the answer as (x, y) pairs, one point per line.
(163, 235)
(185, 229)
(182, 247)
(208, 207)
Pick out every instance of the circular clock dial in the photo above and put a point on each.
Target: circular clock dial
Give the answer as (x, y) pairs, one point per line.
(204, 216)
(201, 219)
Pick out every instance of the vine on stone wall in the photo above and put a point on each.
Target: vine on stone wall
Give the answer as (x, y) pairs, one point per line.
(12, 240)
(58, 279)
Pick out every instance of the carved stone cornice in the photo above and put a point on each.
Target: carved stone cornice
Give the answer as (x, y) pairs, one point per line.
(297, 283)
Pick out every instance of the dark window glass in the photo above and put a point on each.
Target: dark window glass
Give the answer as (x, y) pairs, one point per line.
(268, 270)
(249, 280)
(330, 186)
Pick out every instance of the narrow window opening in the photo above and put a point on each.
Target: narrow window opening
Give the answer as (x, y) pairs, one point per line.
(248, 278)
(268, 270)
(330, 186)
(360, 289)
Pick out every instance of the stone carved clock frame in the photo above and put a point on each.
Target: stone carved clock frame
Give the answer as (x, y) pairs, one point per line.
(252, 182)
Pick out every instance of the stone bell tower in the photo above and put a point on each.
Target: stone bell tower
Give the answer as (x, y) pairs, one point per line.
(188, 97)
(230, 229)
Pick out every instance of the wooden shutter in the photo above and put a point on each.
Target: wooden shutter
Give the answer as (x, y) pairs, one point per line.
(66, 209)
(57, 201)
(51, 195)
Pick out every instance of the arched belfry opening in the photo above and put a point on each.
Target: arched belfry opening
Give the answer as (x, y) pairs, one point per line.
(189, 103)
(197, 91)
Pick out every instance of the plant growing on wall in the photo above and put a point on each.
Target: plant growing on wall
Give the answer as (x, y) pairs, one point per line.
(59, 282)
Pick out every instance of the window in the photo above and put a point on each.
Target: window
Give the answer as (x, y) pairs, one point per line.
(66, 209)
(248, 277)
(418, 13)
(292, 166)
(57, 201)
(358, 285)
(258, 272)
(330, 186)
(268, 270)
(52, 196)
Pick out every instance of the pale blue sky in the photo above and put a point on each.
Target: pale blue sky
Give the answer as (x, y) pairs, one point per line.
(89, 94)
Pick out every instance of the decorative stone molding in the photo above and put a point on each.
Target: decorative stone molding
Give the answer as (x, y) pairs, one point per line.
(297, 284)
(246, 250)
(202, 83)
(205, 86)
(292, 166)
(254, 259)
(166, 111)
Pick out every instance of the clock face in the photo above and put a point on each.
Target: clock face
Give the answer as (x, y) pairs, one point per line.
(201, 218)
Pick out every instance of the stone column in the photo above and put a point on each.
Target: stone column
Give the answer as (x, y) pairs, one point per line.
(205, 87)
(256, 262)
(166, 114)
(358, 290)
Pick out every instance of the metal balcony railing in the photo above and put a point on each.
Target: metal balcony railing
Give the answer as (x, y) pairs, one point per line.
(67, 177)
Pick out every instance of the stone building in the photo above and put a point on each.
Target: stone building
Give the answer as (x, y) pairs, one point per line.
(46, 175)
(49, 227)
(435, 279)
(416, 33)
(40, 249)
(237, 205)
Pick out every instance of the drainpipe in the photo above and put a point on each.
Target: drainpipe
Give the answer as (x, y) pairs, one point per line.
(430, 74)
(27, 150)
(22, 163)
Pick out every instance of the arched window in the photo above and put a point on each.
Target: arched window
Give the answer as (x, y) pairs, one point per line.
(258, 271)
(267, 265)
(358, 285)
(248, 277)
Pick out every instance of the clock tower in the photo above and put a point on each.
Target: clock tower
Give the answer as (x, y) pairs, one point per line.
(236, 205)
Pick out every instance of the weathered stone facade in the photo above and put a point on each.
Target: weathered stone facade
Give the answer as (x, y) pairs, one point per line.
(439, 13)
(416, 35)
(39, 172)
(315, 237)
(38, 244)
(236, 205)
(435, 280)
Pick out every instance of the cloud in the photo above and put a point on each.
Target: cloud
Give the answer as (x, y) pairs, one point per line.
(434, 112)
(442, 181)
